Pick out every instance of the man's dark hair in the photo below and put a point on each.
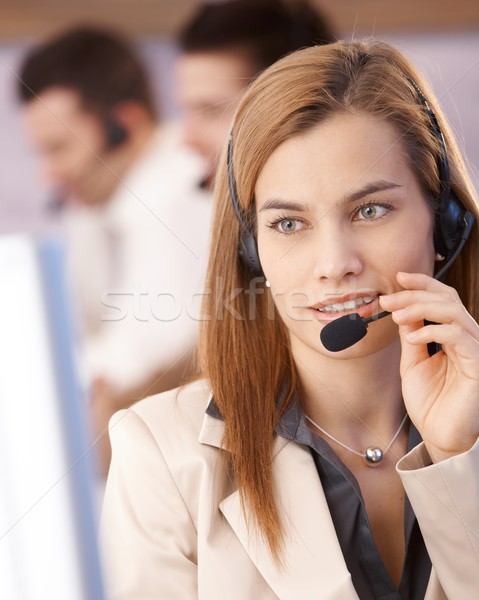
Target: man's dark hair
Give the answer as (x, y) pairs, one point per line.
(264, 30)
(98, 64)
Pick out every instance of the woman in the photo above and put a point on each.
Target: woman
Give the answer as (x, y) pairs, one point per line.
(256, 482)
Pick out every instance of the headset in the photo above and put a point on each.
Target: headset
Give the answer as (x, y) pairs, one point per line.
(247, 249)
(116, 134)
(453, 223)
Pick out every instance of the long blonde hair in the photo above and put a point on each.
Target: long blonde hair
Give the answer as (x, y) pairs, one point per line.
(247, 356)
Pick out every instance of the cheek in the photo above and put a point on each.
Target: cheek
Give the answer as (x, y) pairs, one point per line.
(422, 262)
(411, 256)
(288, 264)
(90, 138)
(79, 161)
(276, 266)
(291, 287)
(87, 155)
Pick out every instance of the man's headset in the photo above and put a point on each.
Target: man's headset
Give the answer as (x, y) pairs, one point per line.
(453, 223)
(116, 134)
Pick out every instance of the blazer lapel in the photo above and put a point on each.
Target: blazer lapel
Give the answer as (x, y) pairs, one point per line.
(434, 590)
(313, 562)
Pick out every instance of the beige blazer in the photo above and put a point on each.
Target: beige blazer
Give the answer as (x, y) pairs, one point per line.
(173, 527)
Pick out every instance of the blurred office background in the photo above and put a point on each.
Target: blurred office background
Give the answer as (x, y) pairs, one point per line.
(441, 36)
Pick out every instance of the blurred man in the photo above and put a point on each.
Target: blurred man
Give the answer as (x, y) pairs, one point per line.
(222, 48)
(136, 227)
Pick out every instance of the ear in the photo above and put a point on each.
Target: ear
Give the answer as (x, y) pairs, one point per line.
(129, 115)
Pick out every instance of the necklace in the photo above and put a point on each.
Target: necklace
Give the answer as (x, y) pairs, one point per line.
(372, 455)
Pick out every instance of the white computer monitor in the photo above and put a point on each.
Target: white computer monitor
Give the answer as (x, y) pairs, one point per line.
(48, 547)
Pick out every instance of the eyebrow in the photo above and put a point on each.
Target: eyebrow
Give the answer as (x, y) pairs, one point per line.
(369, 189)
(277, 204)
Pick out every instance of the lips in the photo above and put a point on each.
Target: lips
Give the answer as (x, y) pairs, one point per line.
(364, 304)
(353, 304)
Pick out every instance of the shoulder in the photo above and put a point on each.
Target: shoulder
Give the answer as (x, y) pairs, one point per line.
(170, 421)
(158, 456)
(184, 406)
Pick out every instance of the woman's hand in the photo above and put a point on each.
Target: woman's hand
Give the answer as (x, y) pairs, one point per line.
(441, 392)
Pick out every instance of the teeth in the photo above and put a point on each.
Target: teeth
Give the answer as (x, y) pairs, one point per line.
(348, 305)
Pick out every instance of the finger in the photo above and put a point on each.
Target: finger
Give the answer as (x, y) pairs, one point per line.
(447, 335)
(403, 299)
(437, 312)
(421, 281)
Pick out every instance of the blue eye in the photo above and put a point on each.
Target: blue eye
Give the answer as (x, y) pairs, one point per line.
(288, 225)
(371, 212)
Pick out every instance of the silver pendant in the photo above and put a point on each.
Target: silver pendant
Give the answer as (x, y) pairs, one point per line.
(373, 456)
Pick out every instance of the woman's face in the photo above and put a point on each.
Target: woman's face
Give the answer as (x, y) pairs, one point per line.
(339, 214)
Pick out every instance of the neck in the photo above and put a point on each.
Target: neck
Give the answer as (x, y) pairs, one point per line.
(365, 405)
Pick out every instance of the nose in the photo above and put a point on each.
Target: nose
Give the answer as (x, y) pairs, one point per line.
(337, 254)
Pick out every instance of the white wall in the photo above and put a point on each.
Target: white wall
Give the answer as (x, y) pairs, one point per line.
(451, 65)
(450, 62)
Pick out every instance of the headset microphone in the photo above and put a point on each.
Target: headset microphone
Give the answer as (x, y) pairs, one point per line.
(346, 331)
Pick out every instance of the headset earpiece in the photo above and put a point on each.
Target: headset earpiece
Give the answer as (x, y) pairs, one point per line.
(248, 253)
(449, 225)
(453, 223)
(116, 134)
(247, 248)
